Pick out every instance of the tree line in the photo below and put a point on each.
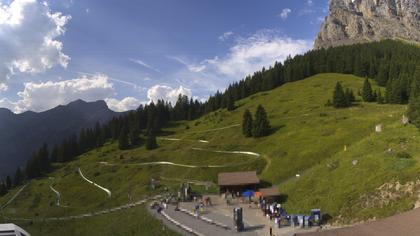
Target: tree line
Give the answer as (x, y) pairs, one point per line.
(390, 63)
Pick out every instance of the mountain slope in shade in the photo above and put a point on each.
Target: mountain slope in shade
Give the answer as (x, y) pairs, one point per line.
(359, 21)
(23, 133)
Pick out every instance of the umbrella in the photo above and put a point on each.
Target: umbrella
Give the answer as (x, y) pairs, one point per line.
(258, 194)
(248, 193)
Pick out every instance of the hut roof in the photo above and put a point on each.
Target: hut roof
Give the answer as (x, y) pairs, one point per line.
(238, 178)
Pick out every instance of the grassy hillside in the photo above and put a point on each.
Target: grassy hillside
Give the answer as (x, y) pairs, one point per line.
(308, 139)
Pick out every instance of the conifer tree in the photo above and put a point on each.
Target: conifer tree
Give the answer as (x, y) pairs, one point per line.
(379, 98)
(367, 93)
(3, 189)
(261, 123)
(230, 104)
(247, 124)
(135, 137)
(151, 141)
(339, 97)
(8, 183)
(123, 139)
(18, 177)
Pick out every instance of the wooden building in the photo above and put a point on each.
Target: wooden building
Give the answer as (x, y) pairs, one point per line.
(234, 182)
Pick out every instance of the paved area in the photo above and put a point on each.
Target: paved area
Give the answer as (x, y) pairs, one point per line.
(255, 222)
(404, 224)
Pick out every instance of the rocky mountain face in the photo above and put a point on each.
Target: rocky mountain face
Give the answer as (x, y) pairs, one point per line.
(357, 21)
(21, 134)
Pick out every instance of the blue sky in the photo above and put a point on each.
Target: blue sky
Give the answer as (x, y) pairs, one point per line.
(131, 52)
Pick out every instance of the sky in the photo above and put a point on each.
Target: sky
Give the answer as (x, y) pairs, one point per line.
(131, 52)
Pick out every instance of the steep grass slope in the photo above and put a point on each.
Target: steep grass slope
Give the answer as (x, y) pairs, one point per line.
(308, 139)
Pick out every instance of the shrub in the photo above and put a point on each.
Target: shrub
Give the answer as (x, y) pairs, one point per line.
(403, 155)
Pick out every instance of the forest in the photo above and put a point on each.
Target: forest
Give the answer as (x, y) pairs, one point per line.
(392, 64)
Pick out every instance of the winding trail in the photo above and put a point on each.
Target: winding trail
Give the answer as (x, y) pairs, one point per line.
(13, 198)
(178, 139)
(90, 214)
(95, 184)
(172, 164)
(55, 191)
(217, 129)
(229, 152)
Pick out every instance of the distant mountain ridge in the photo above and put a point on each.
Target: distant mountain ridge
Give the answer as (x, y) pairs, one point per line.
(360, 21)
(21, 134)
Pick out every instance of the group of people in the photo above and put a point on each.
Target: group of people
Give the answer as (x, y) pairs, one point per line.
(272, 211)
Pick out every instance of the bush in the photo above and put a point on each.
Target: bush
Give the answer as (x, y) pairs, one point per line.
(403, 155)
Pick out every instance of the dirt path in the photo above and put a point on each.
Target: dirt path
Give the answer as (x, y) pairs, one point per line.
(90, 214)
(178, 139)
(229, 152)
(217, 129)
(13, 198)
(108, 192)
(173, 164)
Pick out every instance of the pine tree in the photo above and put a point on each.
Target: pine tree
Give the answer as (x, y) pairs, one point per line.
(18, 177)
(151, 141)
(261, 123)
(230, 103)
(339, 97)
(3, 189)
(135, 137)
(8, 183)
(414, 111)
(367, 93)
(247, 123)
(123, 139)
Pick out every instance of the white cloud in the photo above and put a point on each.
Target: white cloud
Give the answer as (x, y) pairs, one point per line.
(126, 104)
(225, 36)
(260, 50)
(28, 38)
(3, 87)
(310, 2)
(167, 93)
(144, 64)
(285, 13)
(6, 103)
(46, 95)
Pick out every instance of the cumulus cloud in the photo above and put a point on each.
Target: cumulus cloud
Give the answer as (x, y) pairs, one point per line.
(46, 95)
(28, 38)
(167, 93)
(285, 13)
(126, 104)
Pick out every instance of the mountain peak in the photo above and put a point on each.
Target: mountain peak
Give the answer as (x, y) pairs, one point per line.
(358, 21)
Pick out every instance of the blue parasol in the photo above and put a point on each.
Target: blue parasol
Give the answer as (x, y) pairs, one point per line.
(248, 193)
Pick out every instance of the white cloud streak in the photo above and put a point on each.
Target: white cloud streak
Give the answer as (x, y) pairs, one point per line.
(144, 64)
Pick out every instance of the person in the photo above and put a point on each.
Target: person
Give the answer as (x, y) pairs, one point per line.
(271, 231)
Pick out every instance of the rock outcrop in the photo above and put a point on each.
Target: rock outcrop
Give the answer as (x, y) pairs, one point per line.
(357, 21)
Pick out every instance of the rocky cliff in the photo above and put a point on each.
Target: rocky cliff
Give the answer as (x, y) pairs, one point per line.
(356, 21)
